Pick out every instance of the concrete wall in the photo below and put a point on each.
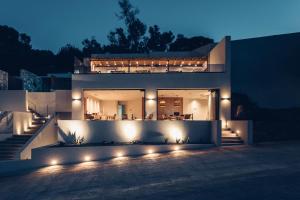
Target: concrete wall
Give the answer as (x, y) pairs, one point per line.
(42, 102)
(43, 157)
(21, 121)
(45, 136)
(221, 55)
(146, 131)
(13, 100)
(244, 129)
(216, 133)
(63, 99)
(51, 102)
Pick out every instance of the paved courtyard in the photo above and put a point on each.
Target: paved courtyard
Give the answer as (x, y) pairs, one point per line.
(269, 171)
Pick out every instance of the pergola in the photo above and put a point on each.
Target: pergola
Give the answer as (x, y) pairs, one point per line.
(148, 65)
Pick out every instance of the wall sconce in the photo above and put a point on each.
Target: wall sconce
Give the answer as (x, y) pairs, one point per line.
(150, 99)
(226, 99)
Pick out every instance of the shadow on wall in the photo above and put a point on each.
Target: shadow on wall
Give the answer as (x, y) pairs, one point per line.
(268, 124)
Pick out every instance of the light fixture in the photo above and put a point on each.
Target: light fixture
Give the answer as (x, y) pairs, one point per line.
(87, 158)
(150, 151)
(225, 98)
(120, 154)
(53, 162)
(77, 99)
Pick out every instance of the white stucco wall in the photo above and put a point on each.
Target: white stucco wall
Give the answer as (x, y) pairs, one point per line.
(244, 129)
(56, 101)
(63, 100)
(128, 130)
(21, 121)
(47, 135)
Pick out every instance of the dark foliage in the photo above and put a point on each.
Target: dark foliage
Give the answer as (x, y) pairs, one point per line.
(16, 51)
(187, 44)
(269, 124)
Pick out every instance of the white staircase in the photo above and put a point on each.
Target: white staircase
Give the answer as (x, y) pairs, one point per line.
(230, 138)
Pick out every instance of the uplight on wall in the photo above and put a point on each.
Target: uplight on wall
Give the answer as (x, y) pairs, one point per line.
(87, 158)
(120, 154)
(53, 162)
(150, 151)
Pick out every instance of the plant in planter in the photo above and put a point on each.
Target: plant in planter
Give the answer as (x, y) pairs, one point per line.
(73, 139)
(186, 140)
(166, 140)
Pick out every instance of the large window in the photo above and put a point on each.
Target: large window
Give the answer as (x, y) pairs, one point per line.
(186, 105)
(114, 104)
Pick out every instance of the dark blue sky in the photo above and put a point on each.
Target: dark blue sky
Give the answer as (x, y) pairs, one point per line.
(53, 23)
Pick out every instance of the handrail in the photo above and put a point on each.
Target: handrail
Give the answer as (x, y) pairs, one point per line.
(35, 135)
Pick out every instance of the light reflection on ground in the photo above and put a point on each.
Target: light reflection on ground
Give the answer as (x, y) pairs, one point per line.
(181, 174)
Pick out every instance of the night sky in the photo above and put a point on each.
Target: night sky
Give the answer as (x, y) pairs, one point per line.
(52, 24)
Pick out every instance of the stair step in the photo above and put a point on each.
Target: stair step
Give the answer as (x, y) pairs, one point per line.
(232, 144)
(232, 141)
(231, 138)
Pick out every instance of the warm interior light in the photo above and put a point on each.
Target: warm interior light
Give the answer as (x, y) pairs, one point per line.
(53, 162)
(87, 158)
(176, 148)
(237, 131)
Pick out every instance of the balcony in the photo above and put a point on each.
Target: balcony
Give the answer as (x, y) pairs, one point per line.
(120, 66)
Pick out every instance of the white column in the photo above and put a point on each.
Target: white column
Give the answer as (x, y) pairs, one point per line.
(151, 102)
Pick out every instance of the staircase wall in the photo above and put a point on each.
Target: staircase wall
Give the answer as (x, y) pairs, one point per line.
(244, 128)
(47, 135)
(21, 121)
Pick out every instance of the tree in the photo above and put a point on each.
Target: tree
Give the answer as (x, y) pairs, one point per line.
(132, 39)
(91, 47)
(159, 41)
(66, 56)
(187, 44)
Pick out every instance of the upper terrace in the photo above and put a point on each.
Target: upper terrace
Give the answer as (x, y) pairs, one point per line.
(203, 59)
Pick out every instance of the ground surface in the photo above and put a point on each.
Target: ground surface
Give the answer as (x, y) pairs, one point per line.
(268, 172)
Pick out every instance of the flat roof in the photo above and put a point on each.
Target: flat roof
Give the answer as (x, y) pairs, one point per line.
(201, 52)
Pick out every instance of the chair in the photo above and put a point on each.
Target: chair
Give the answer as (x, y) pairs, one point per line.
(124, 116)
(149, 117)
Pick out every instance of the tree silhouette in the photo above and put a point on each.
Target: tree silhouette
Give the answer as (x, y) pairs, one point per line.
(158, 41)
(91, 47)
(132, 39)
(65, 58)
(187, 44)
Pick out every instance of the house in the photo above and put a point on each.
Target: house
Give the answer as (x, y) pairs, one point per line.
(151, 98)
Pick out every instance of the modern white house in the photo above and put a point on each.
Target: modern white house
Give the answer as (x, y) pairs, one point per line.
(152, 98)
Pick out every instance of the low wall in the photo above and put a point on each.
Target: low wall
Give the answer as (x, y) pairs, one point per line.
(146, 131)
(45, 156)
(42, 102)
(244, 129)
(45, 136)
(216, 132)
(21, 121)
(50, 102)
(13, 100)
